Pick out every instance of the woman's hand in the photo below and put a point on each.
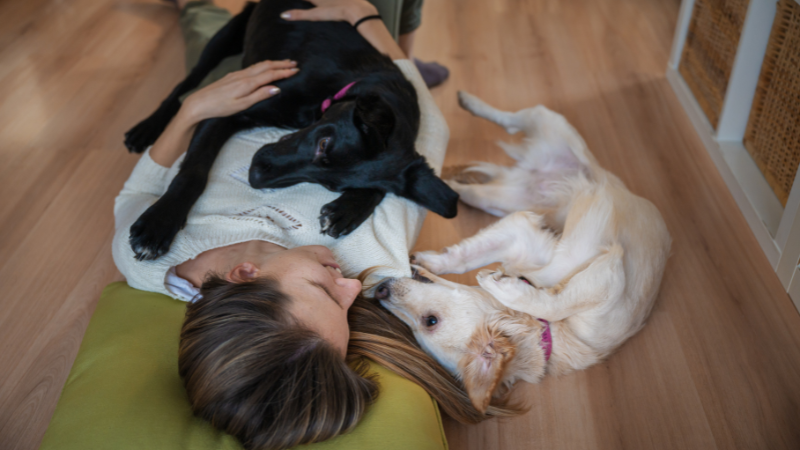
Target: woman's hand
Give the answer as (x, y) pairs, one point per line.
(236, 91)
(333, 10)
(351, 11)
(233, 93)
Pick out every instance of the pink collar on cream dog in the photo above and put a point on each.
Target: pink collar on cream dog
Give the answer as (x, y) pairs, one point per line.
(547, 336)
(338, 96)
(547, 340)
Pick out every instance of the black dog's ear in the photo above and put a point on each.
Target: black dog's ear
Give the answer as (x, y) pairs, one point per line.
(374, 117)
(426, 189)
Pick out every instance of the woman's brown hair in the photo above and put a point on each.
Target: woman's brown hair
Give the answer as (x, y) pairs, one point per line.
(251, 369)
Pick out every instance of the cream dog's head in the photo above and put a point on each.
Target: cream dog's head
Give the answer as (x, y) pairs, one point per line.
(470, 333)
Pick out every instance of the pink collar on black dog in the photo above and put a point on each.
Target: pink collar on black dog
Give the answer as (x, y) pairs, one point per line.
(338, 96)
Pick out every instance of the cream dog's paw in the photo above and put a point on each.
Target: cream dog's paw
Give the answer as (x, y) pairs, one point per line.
(489, 274)
(435, 262)
(510, 291)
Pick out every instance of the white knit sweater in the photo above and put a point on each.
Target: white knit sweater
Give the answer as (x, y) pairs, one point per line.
(230, 211)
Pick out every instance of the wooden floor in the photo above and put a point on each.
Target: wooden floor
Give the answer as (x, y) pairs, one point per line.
(717, 366)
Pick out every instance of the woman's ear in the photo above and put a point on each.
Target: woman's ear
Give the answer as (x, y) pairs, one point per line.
(482, 368)
(244, 272)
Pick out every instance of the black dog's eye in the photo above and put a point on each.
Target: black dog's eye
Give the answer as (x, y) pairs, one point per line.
(323, 143)
(431, 321)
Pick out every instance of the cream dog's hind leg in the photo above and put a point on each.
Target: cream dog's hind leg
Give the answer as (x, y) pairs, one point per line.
(512, 122)
(518, 238)
(604, 278)
(495, 197)
(552, 154)
(552, 144)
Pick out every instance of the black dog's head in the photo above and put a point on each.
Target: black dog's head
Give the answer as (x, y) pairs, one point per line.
(358, 143)
(348, 133)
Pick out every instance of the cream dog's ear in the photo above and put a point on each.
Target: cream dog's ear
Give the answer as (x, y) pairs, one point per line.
(482, 368)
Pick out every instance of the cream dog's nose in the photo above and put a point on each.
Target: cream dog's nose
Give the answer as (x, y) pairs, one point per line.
(383, 291)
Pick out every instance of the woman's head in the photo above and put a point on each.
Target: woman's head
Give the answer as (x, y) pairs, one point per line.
(310, 276)
(253, 369)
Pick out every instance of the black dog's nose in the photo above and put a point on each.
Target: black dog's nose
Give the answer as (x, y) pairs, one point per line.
(258, 175)
(382, 292)
(255, 178)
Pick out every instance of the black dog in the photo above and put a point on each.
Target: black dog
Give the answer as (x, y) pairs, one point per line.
(361, 145)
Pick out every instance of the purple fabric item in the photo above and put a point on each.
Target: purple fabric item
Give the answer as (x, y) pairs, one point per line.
(432, 73)
(338, 96)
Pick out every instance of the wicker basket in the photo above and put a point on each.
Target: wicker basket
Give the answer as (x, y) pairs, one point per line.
(773, 130)
(709, 51)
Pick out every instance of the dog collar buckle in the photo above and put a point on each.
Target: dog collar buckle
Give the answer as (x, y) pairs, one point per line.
(338, 96)
(547, 340)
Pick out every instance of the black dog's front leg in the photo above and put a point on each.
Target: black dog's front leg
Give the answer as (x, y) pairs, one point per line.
(152, 234)
(228, 41)
(343, 215)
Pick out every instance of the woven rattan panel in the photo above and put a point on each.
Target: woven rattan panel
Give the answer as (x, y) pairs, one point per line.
(709, 51)
(773, 130)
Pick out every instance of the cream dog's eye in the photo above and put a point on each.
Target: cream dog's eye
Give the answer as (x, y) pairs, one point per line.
(431, 321)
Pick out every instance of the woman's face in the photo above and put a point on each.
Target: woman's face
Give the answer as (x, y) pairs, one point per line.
(321, 295)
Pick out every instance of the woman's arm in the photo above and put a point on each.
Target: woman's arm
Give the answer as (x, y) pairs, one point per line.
(233, 93)
(351, 11)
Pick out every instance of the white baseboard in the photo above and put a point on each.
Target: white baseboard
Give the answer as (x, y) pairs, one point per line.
(755, 198)
(794, 289)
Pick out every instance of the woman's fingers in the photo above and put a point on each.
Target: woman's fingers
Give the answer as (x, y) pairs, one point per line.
(256, 82)
(258, 68)
(262, 93)
(260, 89)
(263, 66)
(275, 75)
(270, 76)
(238, 91)
(320, 13)
(296, 14)
(332, 10)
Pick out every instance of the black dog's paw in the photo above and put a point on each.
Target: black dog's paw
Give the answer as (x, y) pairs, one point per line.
(153, 233)
(337, 220)
(343, 215)
(145, 133)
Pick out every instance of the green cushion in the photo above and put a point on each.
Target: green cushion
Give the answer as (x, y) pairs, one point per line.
(124, 391)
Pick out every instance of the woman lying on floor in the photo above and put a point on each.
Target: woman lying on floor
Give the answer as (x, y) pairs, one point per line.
(276, 326)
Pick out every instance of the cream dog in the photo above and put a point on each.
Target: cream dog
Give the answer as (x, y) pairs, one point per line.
(582, 259)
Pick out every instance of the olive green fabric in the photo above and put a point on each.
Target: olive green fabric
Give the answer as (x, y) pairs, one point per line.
(201, 19)
(124, 391)
(410, 16)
